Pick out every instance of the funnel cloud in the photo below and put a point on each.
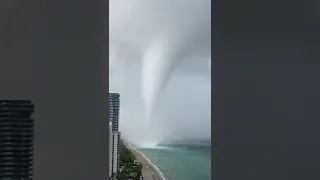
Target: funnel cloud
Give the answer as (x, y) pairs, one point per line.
(159, 56)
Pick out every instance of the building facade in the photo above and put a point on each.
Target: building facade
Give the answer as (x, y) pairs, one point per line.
(115, 158)
(16, 139)
(114, 110)
(114, 134)
(110, 149)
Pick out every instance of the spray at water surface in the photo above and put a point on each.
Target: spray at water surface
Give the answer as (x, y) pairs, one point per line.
(151, 41)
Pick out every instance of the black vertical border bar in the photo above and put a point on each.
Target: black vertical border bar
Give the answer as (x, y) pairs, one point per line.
(215, 143)
(265, 90)
(55, 53)
(70, 88)
(105, 68)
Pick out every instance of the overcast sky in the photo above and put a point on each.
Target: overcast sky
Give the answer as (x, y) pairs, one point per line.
(159, 54)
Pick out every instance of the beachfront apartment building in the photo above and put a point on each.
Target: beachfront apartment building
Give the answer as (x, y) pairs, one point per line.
(115, 158)
(16, 139)
(114, 134)
(110, 148)
(114, 110)
(114, 139)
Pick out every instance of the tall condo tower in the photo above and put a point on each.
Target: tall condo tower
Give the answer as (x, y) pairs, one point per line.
(114, 136)
(110, 149)
(16, 139)
(114, 109)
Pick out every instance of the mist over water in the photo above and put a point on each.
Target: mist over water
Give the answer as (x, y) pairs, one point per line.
(159, 58)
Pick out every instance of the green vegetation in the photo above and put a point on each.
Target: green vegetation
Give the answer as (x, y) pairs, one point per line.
(126, 156)
(129, 169)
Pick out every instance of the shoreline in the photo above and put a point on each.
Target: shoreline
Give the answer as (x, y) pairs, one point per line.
(149, 170)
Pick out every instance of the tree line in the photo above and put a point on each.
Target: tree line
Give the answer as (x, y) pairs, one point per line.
(129, 169)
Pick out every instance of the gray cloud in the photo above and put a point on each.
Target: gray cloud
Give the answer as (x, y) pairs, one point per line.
(159, 52)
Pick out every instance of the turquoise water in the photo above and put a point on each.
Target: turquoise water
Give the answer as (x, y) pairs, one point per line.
(181, 162)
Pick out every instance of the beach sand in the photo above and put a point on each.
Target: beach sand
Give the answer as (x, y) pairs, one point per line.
(149, 172)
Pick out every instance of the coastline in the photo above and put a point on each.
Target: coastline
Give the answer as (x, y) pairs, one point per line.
(149, 170)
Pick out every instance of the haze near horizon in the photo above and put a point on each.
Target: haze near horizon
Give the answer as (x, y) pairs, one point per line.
(159, 62)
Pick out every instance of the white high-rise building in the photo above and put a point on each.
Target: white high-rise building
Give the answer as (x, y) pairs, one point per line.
(110, 148)
(115, 152)
(114, 139)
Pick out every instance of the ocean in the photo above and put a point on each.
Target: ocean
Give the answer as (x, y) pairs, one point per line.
(181, 162)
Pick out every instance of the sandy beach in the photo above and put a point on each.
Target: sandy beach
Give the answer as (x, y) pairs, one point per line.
(149, 172)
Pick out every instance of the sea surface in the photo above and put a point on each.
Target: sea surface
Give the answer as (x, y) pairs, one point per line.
(181, 162)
